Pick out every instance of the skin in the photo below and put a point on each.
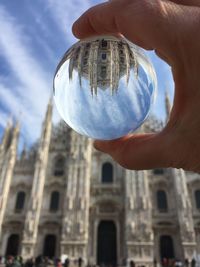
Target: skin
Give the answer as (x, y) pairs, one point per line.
(172, 29)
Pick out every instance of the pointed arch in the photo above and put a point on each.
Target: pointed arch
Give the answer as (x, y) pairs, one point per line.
(166, 247)
(13, 245)
(49, 247)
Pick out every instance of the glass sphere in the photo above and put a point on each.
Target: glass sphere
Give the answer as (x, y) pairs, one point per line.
(104, 87)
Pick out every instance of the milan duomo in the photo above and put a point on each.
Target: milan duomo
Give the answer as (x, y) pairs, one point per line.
(62, 197)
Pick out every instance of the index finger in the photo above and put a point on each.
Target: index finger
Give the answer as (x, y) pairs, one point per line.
(144, 22)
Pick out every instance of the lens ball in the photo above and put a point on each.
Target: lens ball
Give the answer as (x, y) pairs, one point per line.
(104, 87)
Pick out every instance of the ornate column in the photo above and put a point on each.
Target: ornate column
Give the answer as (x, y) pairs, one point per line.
(184, 213)
(9, 153)
(138, 218)
(35, 203)
(75, 224)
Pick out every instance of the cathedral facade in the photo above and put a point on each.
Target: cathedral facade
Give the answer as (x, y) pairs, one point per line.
(65, 198)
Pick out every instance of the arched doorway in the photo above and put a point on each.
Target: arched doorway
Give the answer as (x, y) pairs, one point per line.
(13, 245)
(49, 246)
(107, 243)
(166, 247)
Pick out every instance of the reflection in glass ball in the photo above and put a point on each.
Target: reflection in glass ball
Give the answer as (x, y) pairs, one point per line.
(104, 87)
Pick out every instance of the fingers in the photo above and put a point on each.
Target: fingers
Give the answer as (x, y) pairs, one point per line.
(145, 23)
(138, 152)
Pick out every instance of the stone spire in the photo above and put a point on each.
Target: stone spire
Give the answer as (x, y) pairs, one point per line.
(9, 150)
(167, 105)
(35, 202)
(138, 216)
(74, 239)
(23, 153)
(184, 213)
(5, 142)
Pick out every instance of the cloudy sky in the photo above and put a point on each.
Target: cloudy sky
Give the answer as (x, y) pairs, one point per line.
(34, 36)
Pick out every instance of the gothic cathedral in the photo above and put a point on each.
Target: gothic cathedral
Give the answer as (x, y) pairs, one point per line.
(64, 197)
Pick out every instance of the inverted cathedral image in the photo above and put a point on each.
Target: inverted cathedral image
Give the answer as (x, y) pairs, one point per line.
(64, 197)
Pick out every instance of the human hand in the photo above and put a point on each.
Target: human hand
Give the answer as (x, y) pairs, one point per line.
(172, 29)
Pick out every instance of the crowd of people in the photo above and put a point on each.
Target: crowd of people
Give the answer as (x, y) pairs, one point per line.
(42, 261)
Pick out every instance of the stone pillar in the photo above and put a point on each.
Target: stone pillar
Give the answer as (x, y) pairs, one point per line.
(184, 213)
(138, 218)
(75, 225)
(9, 153)
(35, 203)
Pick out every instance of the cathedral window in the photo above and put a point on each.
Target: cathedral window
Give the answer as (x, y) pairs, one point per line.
(158, 171)
(162, 201)
(20, 201)
(85, 61)
(104, 43)
(120, 45)
(103, 56)
(59, 166)
(197, 199)
(122, 60)
(54, 203)
(107, 173)
(103, 72)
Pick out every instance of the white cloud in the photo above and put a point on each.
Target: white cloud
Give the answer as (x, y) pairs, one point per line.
(66, 12)
(31, 93)
(19, 109)
(3, 119)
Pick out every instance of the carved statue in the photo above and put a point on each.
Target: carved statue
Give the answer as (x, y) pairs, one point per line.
(81, 228)
(67, 226)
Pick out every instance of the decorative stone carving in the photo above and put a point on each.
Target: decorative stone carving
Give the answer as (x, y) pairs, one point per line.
(132, 227)
(81, 228)
(29, 226)
(68, 226)
(131, 203)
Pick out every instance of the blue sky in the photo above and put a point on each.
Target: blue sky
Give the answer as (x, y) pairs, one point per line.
(34, 36)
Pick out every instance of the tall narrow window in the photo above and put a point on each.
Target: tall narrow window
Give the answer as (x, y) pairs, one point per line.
(197, 198)
(103, 72)
(162, 201)
(59, 166)
(107, 173)
(54, 203)
(158, 171)
(20, 201)
(104, 43)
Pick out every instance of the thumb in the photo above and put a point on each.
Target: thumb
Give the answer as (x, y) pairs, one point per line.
(138, 152)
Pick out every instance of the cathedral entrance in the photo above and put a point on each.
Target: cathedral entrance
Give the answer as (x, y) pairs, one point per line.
(13, 245)
(49, 246)
(166, 247)
(107, 243)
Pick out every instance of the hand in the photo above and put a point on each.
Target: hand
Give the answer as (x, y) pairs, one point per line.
(172, 29)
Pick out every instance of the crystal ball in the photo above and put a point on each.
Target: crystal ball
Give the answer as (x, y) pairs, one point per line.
(104, 87)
